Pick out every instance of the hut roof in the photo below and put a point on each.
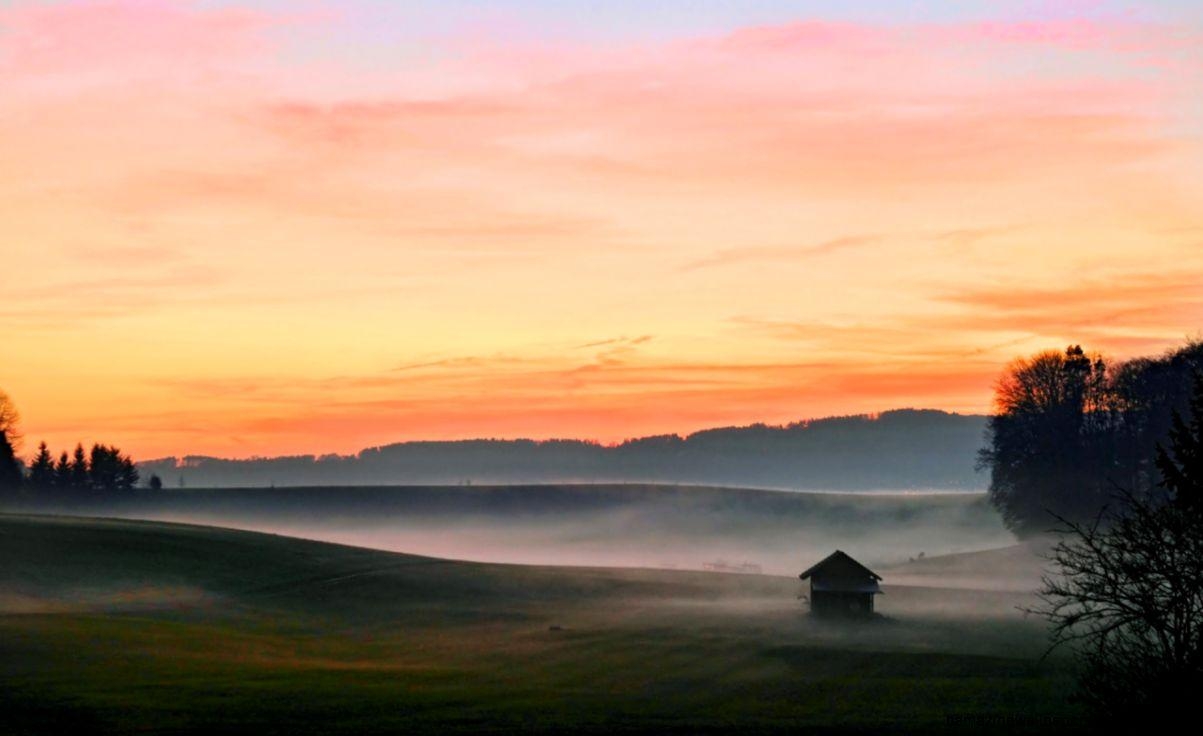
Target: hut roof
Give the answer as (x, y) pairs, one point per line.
(840, 560)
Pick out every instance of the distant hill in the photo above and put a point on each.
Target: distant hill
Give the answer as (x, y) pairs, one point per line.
(906, 449)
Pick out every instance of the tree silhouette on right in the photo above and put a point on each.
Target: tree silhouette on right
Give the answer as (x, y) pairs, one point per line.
(1181, 465)
(1047, 444)
(1125, 591)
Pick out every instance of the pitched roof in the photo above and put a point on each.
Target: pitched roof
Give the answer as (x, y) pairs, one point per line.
(837, 556)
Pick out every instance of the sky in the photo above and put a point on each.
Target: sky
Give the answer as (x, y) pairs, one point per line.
(261, 228)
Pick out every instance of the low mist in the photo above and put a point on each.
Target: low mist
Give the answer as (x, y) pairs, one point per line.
(692, 528)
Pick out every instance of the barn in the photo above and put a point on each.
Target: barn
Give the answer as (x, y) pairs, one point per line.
(841, 586)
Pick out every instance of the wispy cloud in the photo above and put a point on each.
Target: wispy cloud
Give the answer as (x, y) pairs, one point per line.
(732, 256)
(616, 341)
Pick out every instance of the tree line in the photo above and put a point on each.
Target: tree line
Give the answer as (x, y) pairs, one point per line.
(1071, 430)
(101, 471)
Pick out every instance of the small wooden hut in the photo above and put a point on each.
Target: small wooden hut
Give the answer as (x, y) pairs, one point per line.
(841, 586)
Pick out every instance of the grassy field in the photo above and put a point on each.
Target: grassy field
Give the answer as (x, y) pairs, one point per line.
(126, 626)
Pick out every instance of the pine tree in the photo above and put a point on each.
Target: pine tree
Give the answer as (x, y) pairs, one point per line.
(103, 468)
(1181, 465)
(62, 472)
(78, 478)
(41, 470)
(127, 473)
(110, 471)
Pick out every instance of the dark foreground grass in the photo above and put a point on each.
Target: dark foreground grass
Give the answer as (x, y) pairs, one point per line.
(127, 627)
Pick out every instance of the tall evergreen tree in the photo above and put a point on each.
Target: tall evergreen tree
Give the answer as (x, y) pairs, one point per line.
(103, 468)
(1181, 465)
(62, 472)
(127, 475)
(41, 470)
(78, 478)
(110, 471)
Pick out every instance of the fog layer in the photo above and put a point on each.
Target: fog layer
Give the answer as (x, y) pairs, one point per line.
(674, 527)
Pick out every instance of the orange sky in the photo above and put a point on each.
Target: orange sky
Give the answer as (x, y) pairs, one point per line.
(239, 231)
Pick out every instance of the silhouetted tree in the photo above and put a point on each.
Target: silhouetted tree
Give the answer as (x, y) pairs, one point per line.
(127, 480)
(41, 470)
(1048, 448)
(11, 474)
(10, 421)
(103, 468)
(1126, 593)
(1150, 391)
(155, 483)
(110, 471)
(78, 478)
(1181, 466)
(62, 472)
(1126, 590)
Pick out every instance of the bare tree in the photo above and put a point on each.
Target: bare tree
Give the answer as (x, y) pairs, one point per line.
(1126, 594)
(10, 421)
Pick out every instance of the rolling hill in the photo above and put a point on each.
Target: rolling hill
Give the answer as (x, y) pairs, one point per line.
(629, 525)
(122, 626)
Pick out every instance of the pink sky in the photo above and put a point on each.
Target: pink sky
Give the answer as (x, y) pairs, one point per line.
(240, 231)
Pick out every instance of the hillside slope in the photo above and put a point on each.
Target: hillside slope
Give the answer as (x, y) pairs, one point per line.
(625, 525)
(136, 627)
(1016, 567)
(68, 563)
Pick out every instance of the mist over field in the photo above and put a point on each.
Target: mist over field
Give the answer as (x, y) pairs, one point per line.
(727, 529)
(100, 617)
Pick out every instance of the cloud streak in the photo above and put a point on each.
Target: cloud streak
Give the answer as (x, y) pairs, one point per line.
(780, 253)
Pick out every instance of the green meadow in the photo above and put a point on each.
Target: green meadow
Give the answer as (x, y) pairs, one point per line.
(115, 626)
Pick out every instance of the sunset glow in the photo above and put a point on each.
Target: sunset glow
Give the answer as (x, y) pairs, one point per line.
(267, 228)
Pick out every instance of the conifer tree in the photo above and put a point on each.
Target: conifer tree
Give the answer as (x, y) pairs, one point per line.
(41, 470)
(78, 478)
(1181, 465)
(62, 472)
